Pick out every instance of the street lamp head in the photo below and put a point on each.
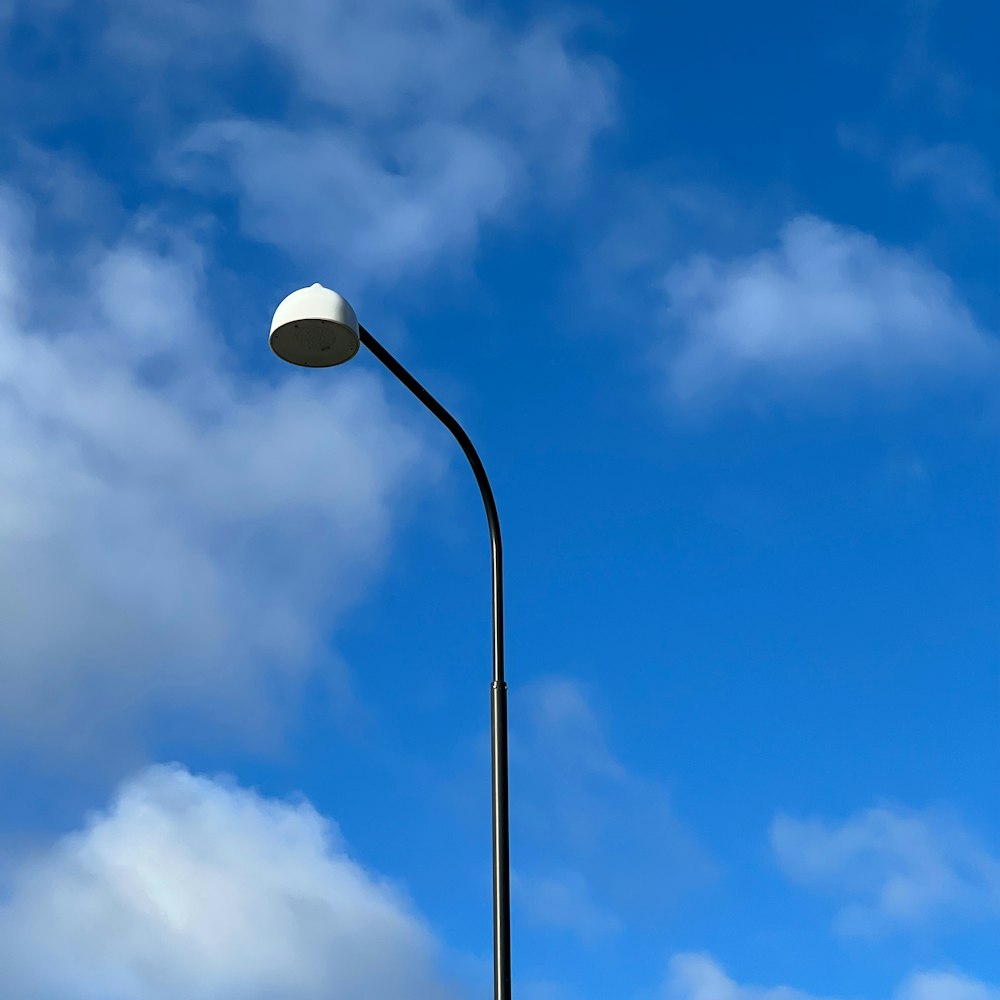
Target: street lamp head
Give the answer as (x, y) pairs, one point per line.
(316, 328)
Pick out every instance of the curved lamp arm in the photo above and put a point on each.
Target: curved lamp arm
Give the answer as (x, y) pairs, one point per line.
(498, 714)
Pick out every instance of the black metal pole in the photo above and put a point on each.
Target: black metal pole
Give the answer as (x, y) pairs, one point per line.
(498, 700)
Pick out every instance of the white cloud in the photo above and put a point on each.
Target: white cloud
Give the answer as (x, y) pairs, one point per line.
(890, 867)
(603, 842)
(329, 195)
(828, 304)
(699, 977)
(173, 535)
(416, 61)
(176, 535)
(188, 887)
(427, 125)
(375, 138)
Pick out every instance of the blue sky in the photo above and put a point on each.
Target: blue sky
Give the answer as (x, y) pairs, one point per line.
(713, 289)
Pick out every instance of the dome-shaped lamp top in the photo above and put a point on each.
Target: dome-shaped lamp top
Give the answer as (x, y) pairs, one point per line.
(316, 328)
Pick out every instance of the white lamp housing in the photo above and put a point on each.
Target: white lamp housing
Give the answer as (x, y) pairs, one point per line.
(315, 328)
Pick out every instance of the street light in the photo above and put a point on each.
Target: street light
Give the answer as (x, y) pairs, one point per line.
(317, 328)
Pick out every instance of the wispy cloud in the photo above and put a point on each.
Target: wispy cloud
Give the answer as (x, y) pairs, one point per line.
(328, 195)
(192, 887)
(891, 867)
(402, 159)
(700, 977)
(957, 175)
(604, 842)
(563, 900)
(921, 70)
(945, 986)
(829, 304)
(373, 139)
